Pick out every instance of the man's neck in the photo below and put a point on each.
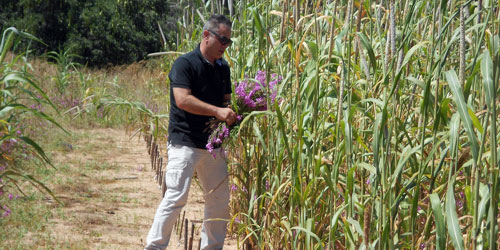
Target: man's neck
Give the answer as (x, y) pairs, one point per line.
(203, 50)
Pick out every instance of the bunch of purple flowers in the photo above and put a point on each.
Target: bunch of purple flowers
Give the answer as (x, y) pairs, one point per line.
(251, 95)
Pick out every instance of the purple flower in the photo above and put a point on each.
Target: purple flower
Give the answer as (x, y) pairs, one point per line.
(261, 77)
(225, 131)
(267, 185)
(273, 96)
(249, 102)
(210, 147)
(233, 187)
(7, 211)
(260, 101)
(11, 196)
(240, 89)
(237, 220)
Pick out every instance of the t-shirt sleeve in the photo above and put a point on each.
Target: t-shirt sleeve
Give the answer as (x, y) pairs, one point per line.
(181, 74)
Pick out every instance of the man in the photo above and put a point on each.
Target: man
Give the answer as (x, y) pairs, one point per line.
(199, 85)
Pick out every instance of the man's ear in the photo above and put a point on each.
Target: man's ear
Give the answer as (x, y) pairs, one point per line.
(205, 34)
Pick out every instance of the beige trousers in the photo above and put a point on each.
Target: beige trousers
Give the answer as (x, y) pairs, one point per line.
(213, 177)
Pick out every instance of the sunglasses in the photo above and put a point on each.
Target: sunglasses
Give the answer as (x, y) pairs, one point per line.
(222, 39)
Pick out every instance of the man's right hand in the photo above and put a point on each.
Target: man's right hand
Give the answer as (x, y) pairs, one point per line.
(227, 115)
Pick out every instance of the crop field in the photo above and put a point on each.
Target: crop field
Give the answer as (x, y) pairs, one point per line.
(381, 132)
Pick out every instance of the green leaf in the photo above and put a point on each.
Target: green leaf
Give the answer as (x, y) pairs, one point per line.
(378, 102)
(38, 149)
(485, 197)
(416, 81)
(454, 132)
(487, 73)
(17, 76)
(469, 199)
(5, 110)
(452, 218)
(281, 125)
(36, 183)
(451, 77)
(366, 43)
(259, 135)
(347, 133)
(336, 216)
(368, 167)
(313, 48)
(356, 225)
(258, 22)
(348, 232)
(307, 232)
(439, 220)
(411, 51)
(6, 45)
(407, 153)
(350, 179)
(475, 121)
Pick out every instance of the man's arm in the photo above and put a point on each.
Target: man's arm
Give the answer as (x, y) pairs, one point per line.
(187, 102)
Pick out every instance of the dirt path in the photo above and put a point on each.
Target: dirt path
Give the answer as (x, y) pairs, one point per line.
(112, 196)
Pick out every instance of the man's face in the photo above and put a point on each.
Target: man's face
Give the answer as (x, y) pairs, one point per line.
(218, 41)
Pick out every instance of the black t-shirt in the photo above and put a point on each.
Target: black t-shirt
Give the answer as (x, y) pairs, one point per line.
(207, 82)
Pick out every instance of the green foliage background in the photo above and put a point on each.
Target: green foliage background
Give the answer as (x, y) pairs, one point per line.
(101, 32)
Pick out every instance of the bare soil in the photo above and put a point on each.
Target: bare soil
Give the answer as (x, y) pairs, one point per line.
(110, 203)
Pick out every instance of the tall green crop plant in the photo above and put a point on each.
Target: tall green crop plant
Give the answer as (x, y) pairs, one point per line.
(65, 68)
(375, 142)
(18, 88)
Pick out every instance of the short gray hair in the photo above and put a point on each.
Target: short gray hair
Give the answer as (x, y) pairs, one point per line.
(215, 20)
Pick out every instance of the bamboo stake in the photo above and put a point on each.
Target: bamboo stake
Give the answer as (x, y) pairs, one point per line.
(191, 237)
(186, 234)
(163, 184)
(182, 223)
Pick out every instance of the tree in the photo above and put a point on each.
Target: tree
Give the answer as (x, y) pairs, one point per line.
(102, 32)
